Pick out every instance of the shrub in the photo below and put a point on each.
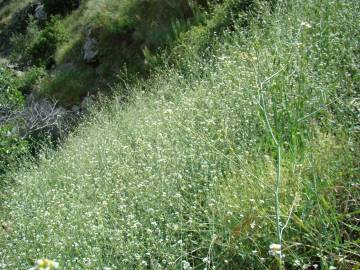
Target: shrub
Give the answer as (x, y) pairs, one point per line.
(14, 18)
(69, 84)
(21, 42)
(11, 100)
(12, 146)
(24, 127)
(44, 47)
(38, 47)
(10, 97)
(30, 78)
(60, 6)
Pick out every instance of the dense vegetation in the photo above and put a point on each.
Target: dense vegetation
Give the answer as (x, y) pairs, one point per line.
(11, 99)
(238, 150)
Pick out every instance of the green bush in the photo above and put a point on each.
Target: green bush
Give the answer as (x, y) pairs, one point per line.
(10, 97)
(30, 78)
(38, 47)
(12, 146)
(21, 42)
(60, 6)
(44, 47)
(11, 100)
(69, 85)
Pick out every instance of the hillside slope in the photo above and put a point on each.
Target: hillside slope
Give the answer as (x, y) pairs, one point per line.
(209, 164)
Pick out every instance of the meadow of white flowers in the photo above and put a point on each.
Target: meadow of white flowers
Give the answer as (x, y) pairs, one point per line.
(184, 176)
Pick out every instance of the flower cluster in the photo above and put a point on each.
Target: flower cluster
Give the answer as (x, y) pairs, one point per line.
(275, 250)
(45, 264)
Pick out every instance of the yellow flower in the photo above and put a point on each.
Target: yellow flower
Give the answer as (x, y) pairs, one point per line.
(45, 264)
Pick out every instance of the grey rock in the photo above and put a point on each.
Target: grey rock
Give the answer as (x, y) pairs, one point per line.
(90, 48)
(40, 13)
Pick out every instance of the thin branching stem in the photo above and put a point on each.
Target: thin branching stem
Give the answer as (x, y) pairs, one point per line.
(278, 147)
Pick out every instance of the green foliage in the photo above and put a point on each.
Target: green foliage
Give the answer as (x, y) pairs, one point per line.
(60, 6)
(12, 146)
(31, 78)
(38, 46)
(221, 17)
(44, 46)
(146, 22)
(68, 85)
(14, 16)
(11, 100)
(21, 42)
(10, 97)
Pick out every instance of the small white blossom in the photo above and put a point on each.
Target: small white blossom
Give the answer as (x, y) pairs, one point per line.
(206, 260)
(297, 263)
(306, 24)
(275, 250)
(186, 265)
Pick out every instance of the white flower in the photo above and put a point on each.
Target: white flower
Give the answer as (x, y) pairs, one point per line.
(186, 265)
(306, 24)
(297, 263)
(168, 111)
(252, 225)
(206, 260)
(275, 249)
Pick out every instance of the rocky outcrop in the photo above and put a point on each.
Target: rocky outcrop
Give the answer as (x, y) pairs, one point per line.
(90, 48)
(40, 13)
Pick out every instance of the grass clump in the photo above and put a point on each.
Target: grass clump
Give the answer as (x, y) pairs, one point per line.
(68, 84)
(185, 176)
(147, 22)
